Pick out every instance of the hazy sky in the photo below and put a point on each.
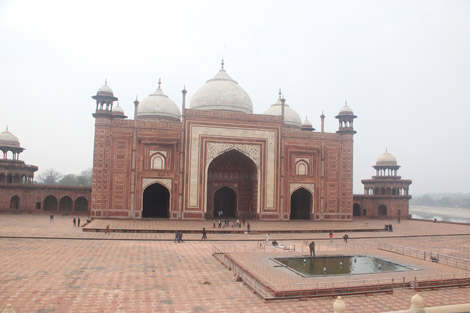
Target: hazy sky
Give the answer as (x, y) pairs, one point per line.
(403, 67)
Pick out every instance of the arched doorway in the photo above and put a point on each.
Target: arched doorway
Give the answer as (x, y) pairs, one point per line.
(382, 210)
(356, 209)
(156, 201)
(236, 172)
(66, 204)
(81, 204)
(50, 203)
(225, 200)
(15, 202)
(300, 204)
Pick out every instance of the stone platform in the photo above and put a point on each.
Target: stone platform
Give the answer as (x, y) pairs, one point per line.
(56, 267)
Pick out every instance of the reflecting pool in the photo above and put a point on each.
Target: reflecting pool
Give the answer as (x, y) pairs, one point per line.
(341, 265)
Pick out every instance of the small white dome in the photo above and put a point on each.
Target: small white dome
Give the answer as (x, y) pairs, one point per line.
(118, 109)
(222, 93)
(158, 105)
(105, 91)
(7, 139)
(290, 116)
(346, 110)
(386, 159)
(306, 123)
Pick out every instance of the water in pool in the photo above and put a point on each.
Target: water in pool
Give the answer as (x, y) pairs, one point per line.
(341, 265)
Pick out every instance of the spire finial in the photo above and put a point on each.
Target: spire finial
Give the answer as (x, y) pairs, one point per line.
(280, 94)
(346, 102)
(136, 99)
(106, 81)
(222, 64)
(7, 127)
(159, 83)
(386, 149)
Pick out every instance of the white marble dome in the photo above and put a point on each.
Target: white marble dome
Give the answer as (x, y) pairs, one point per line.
(118, 109)
(222, 93)
(7, 139)
(346, 110)
(158, 105)
(105, 91)
(386, 159)
(306, 123)
(290, 116)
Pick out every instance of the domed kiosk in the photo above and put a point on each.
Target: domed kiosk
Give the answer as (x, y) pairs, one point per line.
(291, 118)
(158, 106)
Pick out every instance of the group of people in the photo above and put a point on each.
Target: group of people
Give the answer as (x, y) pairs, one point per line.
(388, 227)
(236, 223)
(76, 222)
(178, 236)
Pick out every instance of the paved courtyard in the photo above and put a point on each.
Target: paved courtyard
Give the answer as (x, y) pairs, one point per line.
(55, 267)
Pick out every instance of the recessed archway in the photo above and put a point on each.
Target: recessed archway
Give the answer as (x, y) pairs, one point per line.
(382, 210)
(81, 204)
(50, 203)
(15, 203)
(66, 204)
(225, 201)
(156, 201)
(300, 204)
(357, 209)
(239, 173)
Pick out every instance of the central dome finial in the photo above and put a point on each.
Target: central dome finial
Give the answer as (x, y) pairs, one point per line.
(222, 64)
(159, 83)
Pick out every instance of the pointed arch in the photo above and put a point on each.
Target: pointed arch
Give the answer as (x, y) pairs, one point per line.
(156, 201)
(158, 161)
(301, 168)
(50, 203)
(66, 204)
(301, 204)
(15, 202)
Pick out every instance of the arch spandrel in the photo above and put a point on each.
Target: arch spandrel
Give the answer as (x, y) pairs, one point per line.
(296, 186)
(163, 181)
(216, 149)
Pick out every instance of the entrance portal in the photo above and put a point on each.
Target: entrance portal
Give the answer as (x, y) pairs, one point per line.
(232, 186)
(225, 201)
(156, 201)
(300, 204)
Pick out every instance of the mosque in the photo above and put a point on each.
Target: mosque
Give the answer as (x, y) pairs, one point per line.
(213, 158)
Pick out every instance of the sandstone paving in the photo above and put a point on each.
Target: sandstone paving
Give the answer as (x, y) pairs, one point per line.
(94, 272)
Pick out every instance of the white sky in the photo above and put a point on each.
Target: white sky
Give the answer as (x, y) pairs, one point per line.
(403, 66)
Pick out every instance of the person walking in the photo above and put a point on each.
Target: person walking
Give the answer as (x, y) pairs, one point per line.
(248, 226)
(78, 222)
(266, 239)
(204, 234)
(107, 230)
(51, 218)
(74, 222)
(220, 223)
(331, 237)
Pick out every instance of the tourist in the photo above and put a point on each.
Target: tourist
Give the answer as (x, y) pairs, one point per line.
(345, 238)
(220, 223)
(386, 227)
(78, 222)
(248, 226)
(180, 236)
(51, 218)
(204, 234)
(74, 222)
(107, 230)
(213, 224)
(275, 244)
(390, 227)
(243, 220)
(312, 248)
(266, 239)
(176, 236)
(331, 237)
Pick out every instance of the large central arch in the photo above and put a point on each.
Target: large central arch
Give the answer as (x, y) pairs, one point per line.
(237, 172)
(300, 204)
(156, 201)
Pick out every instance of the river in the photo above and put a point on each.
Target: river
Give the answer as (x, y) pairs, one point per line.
(440, 213)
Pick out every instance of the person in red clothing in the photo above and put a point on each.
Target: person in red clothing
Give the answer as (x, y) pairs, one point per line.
(331, 237)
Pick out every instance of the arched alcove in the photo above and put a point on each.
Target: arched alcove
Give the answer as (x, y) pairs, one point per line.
(156, 201)
(300, 204)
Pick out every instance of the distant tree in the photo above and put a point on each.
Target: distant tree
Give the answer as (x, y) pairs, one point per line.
(49, 177)
(69, 180)
(84, 179)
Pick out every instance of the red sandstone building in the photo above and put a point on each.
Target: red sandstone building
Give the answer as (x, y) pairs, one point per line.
(217, 156)
(19, 194)
(386, 194)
